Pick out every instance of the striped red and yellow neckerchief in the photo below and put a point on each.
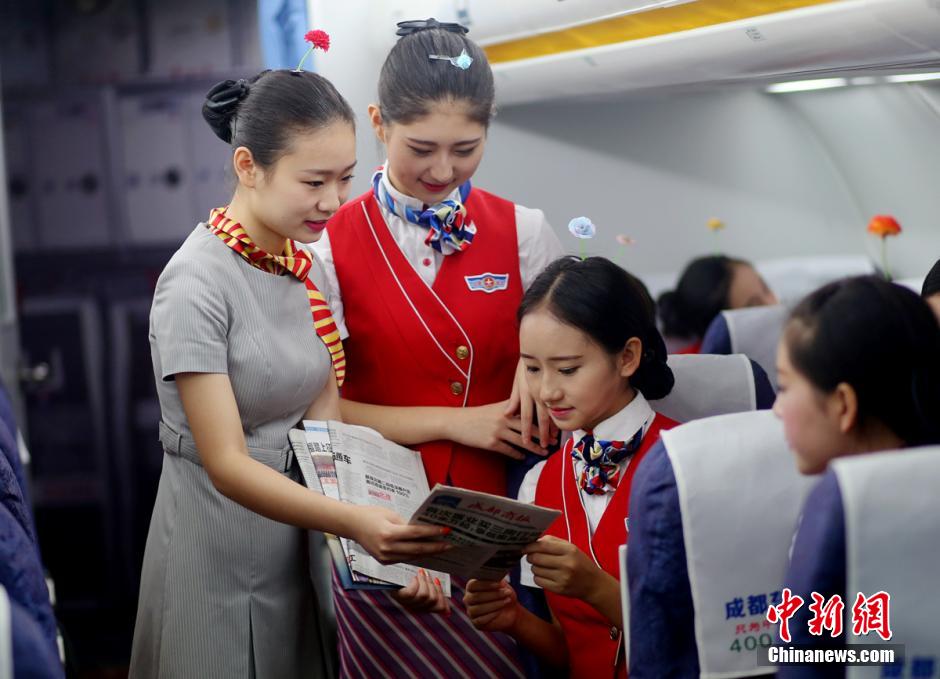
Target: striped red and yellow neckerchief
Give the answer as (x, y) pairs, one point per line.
(294, 261)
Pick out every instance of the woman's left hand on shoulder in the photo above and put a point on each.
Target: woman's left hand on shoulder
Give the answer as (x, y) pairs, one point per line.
(423, 594)
(562, 568)
(529, 411)
(490, 428)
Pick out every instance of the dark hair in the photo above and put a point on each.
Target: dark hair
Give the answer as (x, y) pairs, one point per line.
(702, 294)
(610, 305)
(411, 82)
(932, 282)
(881, 339)
(262, 113)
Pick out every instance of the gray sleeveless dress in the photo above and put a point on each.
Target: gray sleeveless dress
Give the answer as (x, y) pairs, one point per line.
(226, 592)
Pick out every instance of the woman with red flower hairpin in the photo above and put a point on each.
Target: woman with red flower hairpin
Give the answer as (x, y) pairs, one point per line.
(243, 348)
(429, 273)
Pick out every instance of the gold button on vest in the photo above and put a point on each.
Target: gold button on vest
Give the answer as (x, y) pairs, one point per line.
(462, 352)
(456, 388)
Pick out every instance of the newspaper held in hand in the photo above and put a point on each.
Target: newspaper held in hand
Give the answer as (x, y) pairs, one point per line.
(488, 532)
(314, 455)
(369, 471)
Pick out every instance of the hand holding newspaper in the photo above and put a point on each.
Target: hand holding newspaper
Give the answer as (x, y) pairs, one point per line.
(356, 465)
(488, 532)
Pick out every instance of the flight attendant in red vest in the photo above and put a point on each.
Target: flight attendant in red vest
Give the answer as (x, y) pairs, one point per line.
(593, 356)
(429, 273)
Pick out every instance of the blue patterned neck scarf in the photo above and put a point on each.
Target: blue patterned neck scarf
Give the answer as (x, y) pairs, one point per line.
(602, 460)
(449, 229)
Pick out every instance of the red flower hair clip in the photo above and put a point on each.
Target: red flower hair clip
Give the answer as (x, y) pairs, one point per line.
(318, 40)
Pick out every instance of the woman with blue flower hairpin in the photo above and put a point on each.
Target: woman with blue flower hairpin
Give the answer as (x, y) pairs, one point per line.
(429, 273)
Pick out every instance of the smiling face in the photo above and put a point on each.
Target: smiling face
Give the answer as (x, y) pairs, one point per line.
(296, 196)
(431, 156)
(579, 382)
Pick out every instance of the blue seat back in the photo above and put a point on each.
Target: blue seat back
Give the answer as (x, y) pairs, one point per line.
(9, 449)
(754, 332)
(30, 652)
(22, 576)
(11, 493)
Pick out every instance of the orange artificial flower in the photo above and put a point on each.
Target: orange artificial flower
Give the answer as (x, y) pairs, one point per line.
(884, 226)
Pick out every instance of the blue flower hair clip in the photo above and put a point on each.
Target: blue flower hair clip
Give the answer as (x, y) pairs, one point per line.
(583, 229)
(461, 61)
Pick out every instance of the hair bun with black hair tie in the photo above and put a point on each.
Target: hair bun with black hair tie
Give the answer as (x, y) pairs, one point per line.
(415, 26)
(226, 94)
(220, 105)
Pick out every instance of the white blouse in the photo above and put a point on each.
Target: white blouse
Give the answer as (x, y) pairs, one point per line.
(538, 247)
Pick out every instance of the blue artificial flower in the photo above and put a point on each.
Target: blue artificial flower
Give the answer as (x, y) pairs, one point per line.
(582, 227)
(462, 61)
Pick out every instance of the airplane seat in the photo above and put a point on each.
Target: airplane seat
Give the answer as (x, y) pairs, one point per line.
(24, 650)
(11, 498)
(713, 510)
(13, 485)
(708, 385)
(880, 493)
(7, 415)
(21, 574)
(754, 332)
(717, 339)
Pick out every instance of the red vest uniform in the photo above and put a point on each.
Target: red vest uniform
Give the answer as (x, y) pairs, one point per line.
(694, 348)
(445, 345)
(593, 645)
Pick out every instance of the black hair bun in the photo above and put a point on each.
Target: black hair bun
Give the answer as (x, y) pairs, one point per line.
(673, 316)
(221, 105)
(653, 378)
(414, 26)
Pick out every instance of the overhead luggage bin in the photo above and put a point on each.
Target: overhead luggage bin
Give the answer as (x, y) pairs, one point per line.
(566, 50)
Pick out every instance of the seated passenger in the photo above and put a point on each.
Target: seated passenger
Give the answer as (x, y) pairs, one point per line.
(708, 545)
(859, 373)
(708, 286)
(593, 357)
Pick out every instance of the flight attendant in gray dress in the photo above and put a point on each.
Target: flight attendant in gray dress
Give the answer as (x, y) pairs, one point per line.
(243, 348)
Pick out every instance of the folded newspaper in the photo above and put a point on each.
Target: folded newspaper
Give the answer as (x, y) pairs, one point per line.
(488, 532)
(355, 464)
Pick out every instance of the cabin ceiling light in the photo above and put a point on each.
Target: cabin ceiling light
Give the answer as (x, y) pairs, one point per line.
(912, 77)
(828, 83)
(806, 85)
